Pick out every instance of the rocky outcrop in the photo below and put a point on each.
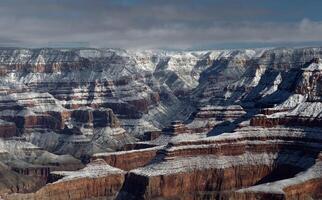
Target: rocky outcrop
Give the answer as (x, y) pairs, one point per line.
(217, 166)
(7, 129)
(26, 167)
(265, 121)
(36, 171)
(308, 189)
(128, 160)
(232, 112)
(306, 185)
(220, 112)
(187, 185)
(96, 180)
(207, 117)
(96, 118)
(151, 135)
(176, 128)
(10, 181)
(197, 178)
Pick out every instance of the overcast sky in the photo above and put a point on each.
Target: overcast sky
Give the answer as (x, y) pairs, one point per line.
(165, 24)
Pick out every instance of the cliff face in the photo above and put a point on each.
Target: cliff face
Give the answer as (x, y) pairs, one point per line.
(95, 180)
(8, 129)
(217, 167)
(128, 160)
(228, 124)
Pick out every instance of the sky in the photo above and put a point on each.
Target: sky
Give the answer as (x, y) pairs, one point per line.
(161, 24)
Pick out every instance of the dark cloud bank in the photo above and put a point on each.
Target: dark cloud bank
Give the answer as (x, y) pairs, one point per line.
(168, 24)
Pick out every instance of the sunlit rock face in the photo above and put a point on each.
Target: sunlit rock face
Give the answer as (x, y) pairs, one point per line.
(226, 124)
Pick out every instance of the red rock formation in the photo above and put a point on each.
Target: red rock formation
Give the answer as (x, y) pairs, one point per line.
(220, 113)
(207, 117)
(39, 121)
(306, 185)
(3, 70)
(264, 121)
(96, 118)
(128, 160)
(268, 111)
(151, 135)
(187, 185)
(176, 127)
(191, 166)
(209, 168)
(7, 129)
(308, 189)
(96, 180)
(36, 171)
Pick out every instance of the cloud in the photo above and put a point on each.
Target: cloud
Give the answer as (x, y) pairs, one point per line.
(175, 24)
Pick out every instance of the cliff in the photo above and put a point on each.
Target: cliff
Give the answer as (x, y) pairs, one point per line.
(226, 124)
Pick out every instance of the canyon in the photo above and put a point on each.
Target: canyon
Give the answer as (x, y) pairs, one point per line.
(86, 123)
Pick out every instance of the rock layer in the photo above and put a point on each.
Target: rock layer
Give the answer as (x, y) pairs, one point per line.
(96, 180)
(207, 118)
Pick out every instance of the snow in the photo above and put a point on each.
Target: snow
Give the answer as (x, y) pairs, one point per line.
(308, 109)
(127, 152)
(95, 169)
(187, 164)
(242, 134)
(3, 122)
(270, 90)
(313, 67)
(147, 72)
(221, 108)
(187, 137)
(277, 187)
(291, 102)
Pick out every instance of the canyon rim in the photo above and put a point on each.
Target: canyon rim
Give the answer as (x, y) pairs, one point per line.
(160, 100)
